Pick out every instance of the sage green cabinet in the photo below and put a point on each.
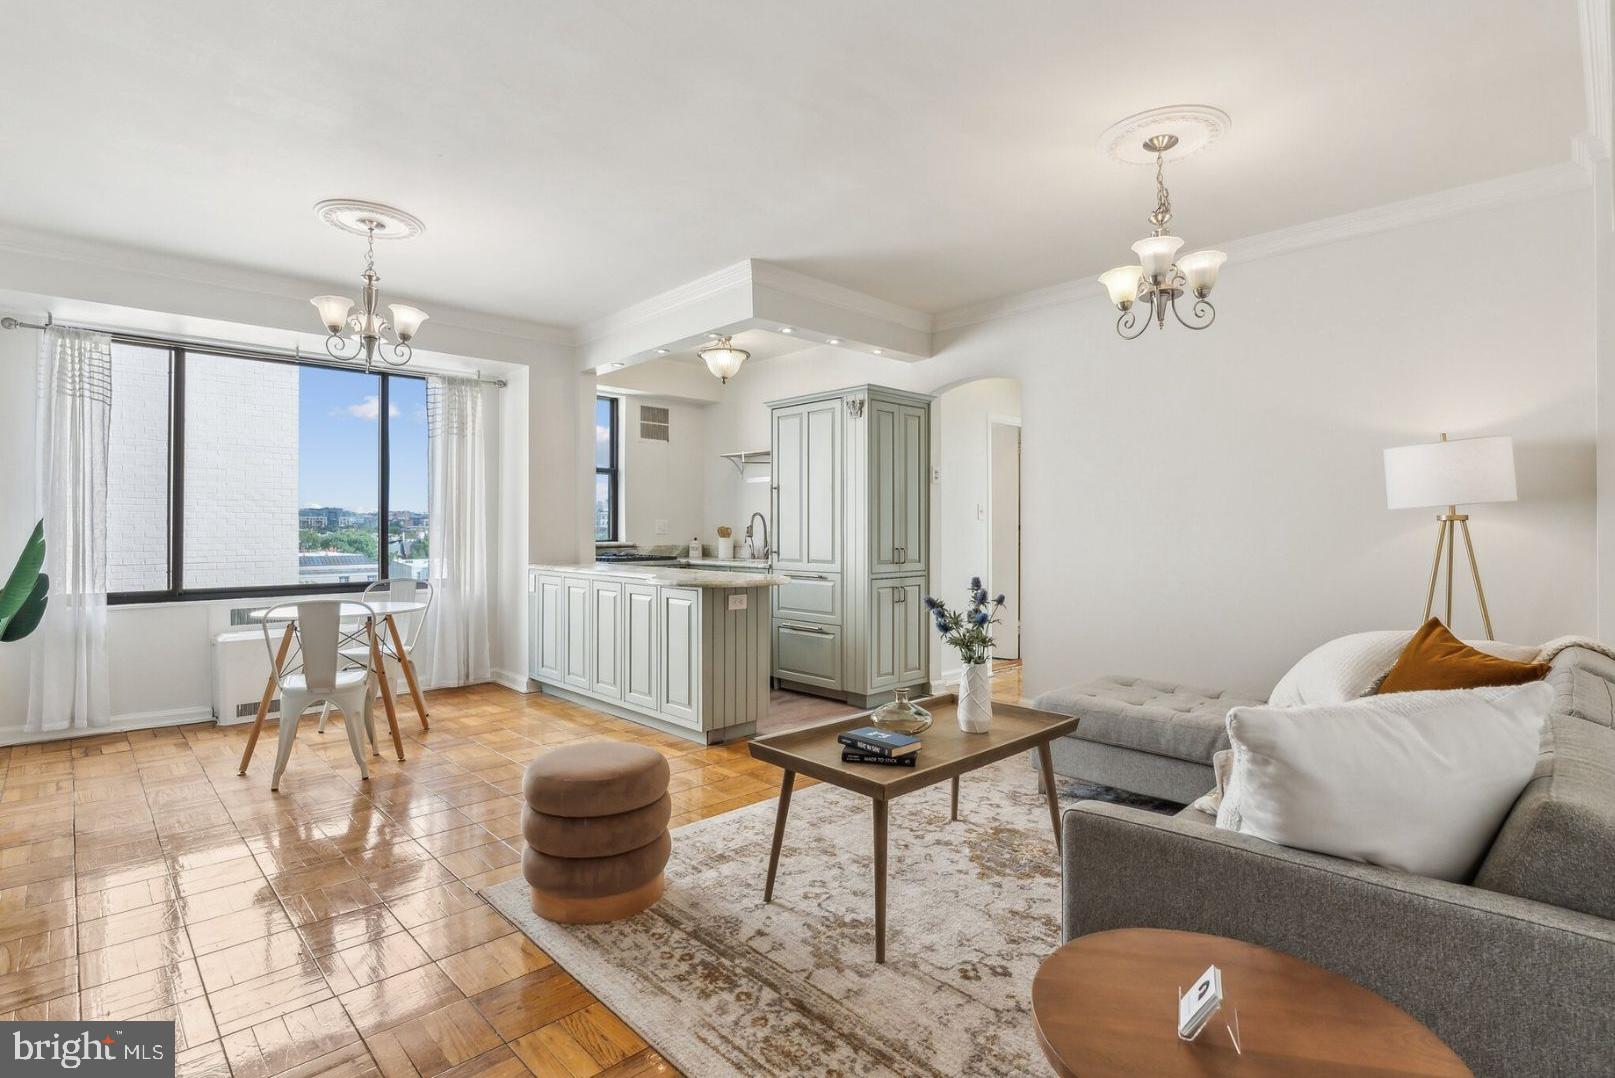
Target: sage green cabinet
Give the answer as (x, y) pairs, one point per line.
(851, 513)
(679, 622)
(807, 457)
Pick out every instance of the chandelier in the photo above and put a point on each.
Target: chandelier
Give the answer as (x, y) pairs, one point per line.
(723, 359)
(364, 332)
(1161, 277)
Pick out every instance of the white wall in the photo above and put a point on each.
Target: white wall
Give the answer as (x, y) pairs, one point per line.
(665, 481)
(1207, 506)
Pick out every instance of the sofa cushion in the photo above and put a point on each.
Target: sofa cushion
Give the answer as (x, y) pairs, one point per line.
(1160, 717)
(1558, 844)
(1584, 685)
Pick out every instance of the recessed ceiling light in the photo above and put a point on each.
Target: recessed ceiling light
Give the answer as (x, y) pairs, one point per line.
(786, 329)
(613, 366)
(663, 351)
(712, 336)
(877, 351)
(833, 340)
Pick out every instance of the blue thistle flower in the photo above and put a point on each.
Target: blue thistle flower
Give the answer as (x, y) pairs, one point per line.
(930, 603)
(980, 618)
(999, 601)
(980, 596)
(975, 583)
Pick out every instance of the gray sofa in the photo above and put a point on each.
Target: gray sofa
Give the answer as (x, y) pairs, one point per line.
(1514, 970)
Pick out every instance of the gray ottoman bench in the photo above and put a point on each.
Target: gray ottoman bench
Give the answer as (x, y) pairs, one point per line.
(1150, 737)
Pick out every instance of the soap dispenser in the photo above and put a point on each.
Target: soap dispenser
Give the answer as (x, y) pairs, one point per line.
(695, 548)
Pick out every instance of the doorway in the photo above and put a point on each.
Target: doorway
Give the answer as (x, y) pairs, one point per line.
(1004, 529)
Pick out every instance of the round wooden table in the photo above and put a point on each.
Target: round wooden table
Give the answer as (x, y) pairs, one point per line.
(1107, 1004)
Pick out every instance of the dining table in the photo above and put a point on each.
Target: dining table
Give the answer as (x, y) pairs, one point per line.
(378, 645)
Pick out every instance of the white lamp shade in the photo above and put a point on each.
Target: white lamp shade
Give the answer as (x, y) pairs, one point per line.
(1157, 253)
(1122, 283)
(1200, 270)
(1462, 472)
(724, 359)
(406, 320)
(333, 311)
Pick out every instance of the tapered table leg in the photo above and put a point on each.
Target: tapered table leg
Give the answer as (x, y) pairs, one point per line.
(880, 881)
(387, 702)
(955, 814)
(269, 694)
(780, 813)
(409, 671)
(1045, 763)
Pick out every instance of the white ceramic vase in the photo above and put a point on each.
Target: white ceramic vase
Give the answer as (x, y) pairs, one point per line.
(975, 699)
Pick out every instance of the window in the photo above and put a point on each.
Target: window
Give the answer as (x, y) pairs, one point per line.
(236, 474)
(607, 473)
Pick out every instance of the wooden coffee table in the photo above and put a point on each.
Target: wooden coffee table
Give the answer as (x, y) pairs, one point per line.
(1107, 1004)
(947, 753)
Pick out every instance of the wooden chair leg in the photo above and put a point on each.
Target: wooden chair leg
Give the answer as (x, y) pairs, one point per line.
(269, 694)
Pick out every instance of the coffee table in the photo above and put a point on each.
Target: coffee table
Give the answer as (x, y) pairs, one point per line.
(947, 753)
(1107, 1004)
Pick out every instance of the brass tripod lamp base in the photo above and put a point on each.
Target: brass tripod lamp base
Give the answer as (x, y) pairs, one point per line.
(1448, 525)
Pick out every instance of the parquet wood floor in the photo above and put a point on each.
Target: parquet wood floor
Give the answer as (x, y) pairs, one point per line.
(330, 928)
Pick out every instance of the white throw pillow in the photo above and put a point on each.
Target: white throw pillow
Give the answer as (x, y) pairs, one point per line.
(1418, 781)
(1341, 669)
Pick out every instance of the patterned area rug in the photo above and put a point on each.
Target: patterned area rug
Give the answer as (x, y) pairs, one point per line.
(722, 984)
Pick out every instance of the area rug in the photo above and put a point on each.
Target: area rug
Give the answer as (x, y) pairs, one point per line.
(722, 984)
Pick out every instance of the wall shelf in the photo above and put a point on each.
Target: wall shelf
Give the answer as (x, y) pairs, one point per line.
(750, 458)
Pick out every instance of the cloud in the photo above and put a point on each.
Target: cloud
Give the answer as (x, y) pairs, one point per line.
(369, 408)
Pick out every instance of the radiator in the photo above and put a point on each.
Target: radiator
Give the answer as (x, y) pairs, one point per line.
(240, 671)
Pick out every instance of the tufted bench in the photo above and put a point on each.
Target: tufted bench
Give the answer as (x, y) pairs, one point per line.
(596, 829)
(1150, 737)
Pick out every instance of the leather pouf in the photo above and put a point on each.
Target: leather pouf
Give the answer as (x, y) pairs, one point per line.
(596, 831)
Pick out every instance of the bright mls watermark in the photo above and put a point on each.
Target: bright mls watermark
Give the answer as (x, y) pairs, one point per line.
(92, 1049)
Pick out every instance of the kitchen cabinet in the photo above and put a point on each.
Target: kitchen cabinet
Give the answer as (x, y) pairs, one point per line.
(605, 638)
(692, 660)
(836, 632)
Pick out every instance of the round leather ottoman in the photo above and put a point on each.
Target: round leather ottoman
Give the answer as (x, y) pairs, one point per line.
(596, 829)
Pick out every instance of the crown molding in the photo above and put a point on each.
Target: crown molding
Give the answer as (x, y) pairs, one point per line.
(665, 303)
(35, 243)
(1528, 186)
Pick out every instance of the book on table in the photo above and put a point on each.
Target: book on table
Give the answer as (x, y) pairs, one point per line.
(851, 756)
(873, 741)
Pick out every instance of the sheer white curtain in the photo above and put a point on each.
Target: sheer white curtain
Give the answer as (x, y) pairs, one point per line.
(68, 679)
(454, 644)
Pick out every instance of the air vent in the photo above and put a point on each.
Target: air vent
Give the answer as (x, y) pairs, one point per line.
(249, 709)
(241, 615)
(653, 423)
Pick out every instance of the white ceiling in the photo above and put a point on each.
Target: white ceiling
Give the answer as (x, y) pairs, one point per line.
(760, 343)
(572, 158)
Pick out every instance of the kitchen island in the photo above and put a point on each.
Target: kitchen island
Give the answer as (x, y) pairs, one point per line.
(682, 650)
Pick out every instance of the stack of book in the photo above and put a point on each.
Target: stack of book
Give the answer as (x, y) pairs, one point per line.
(872, 745)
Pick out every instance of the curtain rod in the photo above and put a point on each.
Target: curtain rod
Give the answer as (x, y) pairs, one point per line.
(296, 355)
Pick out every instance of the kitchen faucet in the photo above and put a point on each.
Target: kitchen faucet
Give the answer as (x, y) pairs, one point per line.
(767, 550)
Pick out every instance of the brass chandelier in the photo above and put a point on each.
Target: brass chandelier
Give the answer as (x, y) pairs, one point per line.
(1161, 277)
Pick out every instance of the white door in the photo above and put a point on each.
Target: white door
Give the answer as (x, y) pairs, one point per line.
(575, 661)
(639, 646)
(1004, 535)
(605, 638)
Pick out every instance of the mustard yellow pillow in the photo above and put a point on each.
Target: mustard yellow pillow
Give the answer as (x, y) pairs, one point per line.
(1435, 659)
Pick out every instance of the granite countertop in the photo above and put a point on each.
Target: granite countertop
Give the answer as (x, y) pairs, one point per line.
(671, 576)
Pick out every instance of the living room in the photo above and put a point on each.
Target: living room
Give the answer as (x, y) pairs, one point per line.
(401, 387)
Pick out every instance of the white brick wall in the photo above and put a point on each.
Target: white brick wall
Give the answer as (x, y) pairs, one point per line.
(240, 473)
(137, 471)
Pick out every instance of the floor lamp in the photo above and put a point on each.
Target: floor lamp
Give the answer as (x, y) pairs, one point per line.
(1463, 472)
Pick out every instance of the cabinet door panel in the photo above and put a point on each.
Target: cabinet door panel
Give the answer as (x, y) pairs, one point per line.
(605, 639)
(639, 646)
(885, 485)
(575, 655)
(809, 597)
(810, 654)
(913, 638)
(549, 644)
(679, 629)
(912, 486)
(807, 486)
(885, 633)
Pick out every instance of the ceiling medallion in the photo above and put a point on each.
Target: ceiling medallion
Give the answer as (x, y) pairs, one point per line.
(1161, 277)
(367, 332)
(723, 359)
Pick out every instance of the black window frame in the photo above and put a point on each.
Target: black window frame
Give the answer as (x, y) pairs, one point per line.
(613, 472)
(176, 592)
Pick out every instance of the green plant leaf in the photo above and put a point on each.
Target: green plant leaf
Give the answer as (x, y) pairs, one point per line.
(26, 620)
(20, 585)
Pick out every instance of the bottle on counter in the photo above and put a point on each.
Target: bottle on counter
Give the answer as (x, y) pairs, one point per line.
(695, 548)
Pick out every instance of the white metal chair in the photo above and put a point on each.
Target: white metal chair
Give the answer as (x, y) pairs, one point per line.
(409, 627)
(315, 675)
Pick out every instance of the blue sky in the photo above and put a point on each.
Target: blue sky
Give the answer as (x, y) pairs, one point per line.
(337, 418)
